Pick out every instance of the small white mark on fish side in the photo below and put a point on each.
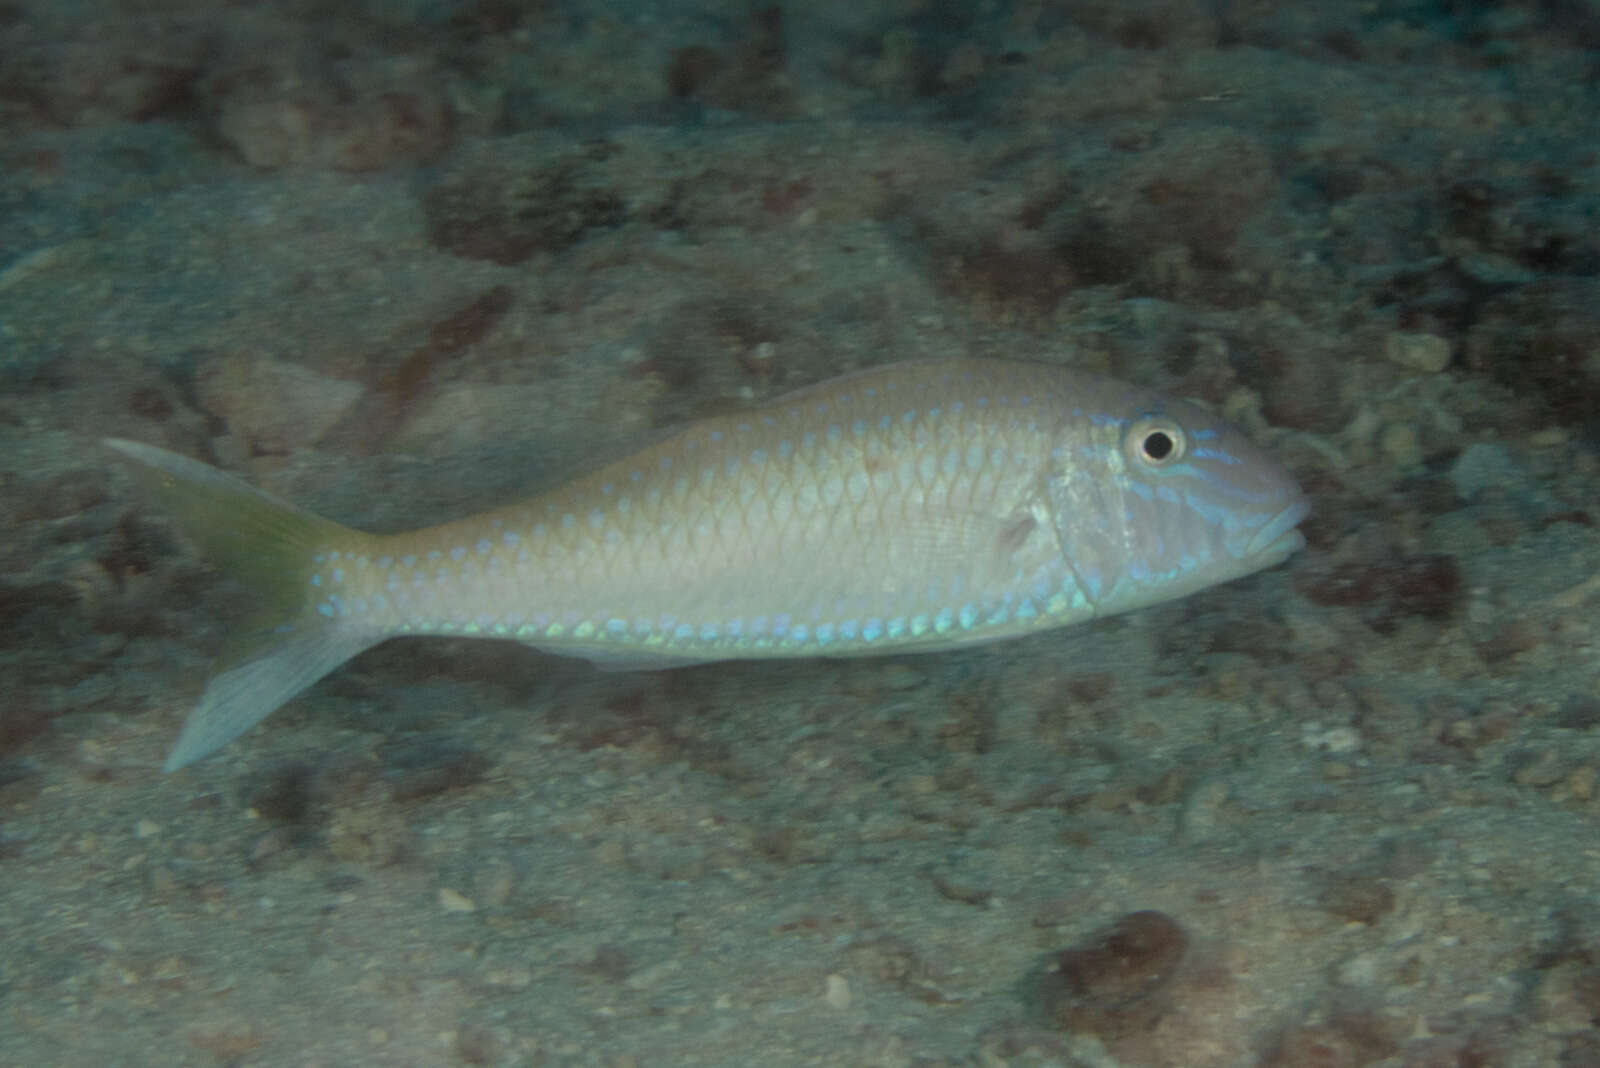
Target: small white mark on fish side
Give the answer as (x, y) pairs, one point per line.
(338, 574)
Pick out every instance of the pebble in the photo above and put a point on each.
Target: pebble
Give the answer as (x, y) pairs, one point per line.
(1401, 445)
(1119, 980)
(454, 901)
(1428, 353)
(1482, 465)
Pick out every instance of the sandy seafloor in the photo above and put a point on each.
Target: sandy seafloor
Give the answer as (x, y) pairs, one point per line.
(404, 261)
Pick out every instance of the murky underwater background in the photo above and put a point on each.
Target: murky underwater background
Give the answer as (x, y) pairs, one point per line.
(401, 262)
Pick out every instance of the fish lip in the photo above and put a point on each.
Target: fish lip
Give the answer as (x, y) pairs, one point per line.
(1278, 537)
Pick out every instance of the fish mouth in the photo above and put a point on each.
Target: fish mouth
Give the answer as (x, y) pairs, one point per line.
(1278, 537)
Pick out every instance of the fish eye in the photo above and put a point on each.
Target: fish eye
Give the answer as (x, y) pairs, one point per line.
(1156, 441)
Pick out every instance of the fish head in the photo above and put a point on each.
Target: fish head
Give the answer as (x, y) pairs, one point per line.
(1154, 498)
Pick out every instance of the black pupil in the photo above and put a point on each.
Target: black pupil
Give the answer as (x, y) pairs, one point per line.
(1157, 445)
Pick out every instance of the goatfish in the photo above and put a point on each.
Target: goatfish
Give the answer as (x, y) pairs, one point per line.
(911, 507)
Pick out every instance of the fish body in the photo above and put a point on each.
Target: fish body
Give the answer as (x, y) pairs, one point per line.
(915, 506)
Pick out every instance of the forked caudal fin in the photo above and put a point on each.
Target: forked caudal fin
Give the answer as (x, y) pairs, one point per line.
(268, 544)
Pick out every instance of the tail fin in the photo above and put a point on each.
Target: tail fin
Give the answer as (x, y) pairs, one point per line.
(271, 546)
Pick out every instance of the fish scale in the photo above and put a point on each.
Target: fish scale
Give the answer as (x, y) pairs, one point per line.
(872, 511)
(915, 506)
